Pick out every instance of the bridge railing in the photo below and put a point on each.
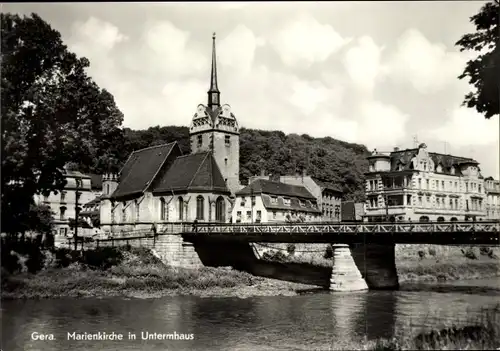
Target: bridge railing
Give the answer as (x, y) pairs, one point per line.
(336, 227)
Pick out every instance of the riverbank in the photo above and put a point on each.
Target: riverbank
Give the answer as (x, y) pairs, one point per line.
(478, 333)
(137, 273)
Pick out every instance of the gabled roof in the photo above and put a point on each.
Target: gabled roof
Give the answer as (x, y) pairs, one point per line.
(404, 157)
(263, 186)
(93, 202)
(294, 205)
(141, 168)
(326, 185)
(196, 172)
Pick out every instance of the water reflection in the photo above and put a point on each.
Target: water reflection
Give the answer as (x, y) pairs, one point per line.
(312, 321)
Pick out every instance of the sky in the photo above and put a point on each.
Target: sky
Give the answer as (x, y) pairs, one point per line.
(382, 74)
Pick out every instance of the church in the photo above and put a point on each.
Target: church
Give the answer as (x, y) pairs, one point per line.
(159, 184)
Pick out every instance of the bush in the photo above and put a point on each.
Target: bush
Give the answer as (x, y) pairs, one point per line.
(290, 248)
(276, 256)
(102, 258)
(328, 252)
(469, 253)
(421, 254)
(432, 251)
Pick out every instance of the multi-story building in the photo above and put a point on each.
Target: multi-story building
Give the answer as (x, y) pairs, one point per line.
(77, 191)
(158, 184)
(328, 196)
(492, 188)
(418, 185)
(271, 201)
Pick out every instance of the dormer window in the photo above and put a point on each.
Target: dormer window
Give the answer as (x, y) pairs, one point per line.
(286, 201)
(227, 140)
(200, 140)
(302, 203)
(274, 200)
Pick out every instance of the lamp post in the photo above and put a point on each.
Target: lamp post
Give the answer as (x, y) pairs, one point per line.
(77, 210)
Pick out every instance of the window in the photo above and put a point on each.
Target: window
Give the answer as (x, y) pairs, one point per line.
(253, 200)
(200, 201)
(419, 183)
(302, 203)
(180, 208)
(238, 217)
(220, 209)
(225, 162)
(428, 200)
(427, 183)
(200, 140)
(274, 200)
(163, 209)
(274, 214)
(456, 185)
(249, 215)
(112, 214)
(124, 218)
(63, 196)
(258, 217)
(227, 140)
(479, 188)
(62, 212)
(286, 201)
(107, 189)
(137, 211)
(243, 201)
(425, 166)
(451, 203)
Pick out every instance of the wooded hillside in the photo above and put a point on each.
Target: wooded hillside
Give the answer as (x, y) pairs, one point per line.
(328, 159)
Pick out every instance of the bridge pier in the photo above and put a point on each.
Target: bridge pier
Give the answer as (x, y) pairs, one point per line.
(345, 274)
(377, 264)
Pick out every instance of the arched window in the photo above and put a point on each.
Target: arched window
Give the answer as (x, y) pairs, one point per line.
(220, 208)
(137, 210)
(440, 219)
(181, 208)
(163, 209)
(200, 201)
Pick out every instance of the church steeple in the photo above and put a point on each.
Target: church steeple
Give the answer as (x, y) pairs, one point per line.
(213, 93)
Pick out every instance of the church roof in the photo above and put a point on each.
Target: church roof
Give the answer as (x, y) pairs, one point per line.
(141, 168)
(196, 172)
(264, 186)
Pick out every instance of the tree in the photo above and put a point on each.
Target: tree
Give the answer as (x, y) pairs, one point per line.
(52, 113)
(484, 71)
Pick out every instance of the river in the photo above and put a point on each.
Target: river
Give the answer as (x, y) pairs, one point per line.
(312, 321)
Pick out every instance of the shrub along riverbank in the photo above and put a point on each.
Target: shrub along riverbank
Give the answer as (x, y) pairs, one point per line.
(478, 333)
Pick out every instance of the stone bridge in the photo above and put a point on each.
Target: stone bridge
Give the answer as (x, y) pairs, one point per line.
(363, 253)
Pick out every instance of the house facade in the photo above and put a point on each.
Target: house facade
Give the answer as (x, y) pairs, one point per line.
(266, 201)
(492, 188)
(418, 185)
(159, 185)
(328, 196)
(78, 190)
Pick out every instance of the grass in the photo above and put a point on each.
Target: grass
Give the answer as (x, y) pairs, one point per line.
(137, 272)
(477, 333)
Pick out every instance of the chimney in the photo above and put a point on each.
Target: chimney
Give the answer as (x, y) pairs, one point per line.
(396, 148)
(262, 172)
(304, 172)
(275, 177)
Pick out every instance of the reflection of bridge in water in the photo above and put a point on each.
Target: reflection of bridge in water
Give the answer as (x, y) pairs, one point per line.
(444, 233)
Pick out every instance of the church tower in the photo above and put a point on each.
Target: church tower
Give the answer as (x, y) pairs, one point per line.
(214, 128)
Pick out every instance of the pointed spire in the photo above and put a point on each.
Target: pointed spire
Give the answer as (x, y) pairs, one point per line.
(213, 93)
